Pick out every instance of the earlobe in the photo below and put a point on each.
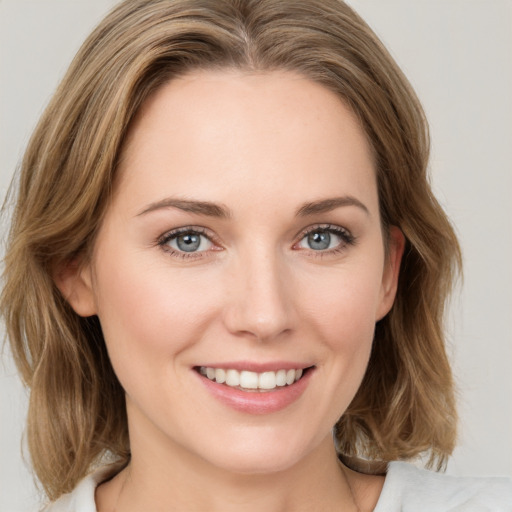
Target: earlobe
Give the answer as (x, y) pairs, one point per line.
(74, 281)
(391, 272)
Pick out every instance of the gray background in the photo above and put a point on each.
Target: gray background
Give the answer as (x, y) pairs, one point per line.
(458, 56)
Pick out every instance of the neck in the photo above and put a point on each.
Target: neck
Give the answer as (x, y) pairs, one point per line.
(176, 480)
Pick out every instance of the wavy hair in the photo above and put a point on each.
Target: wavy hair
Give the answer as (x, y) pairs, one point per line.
(405, 406)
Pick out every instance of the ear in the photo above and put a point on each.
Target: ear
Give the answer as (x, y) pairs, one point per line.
(396, 244)
(74, 280)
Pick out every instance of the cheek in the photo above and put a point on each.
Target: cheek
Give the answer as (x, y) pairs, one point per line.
(343, 303)
(346, 326)
(339, 309)
(149, 314)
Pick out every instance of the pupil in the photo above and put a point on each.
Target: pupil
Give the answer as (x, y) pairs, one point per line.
(188, 242)
(319, 240)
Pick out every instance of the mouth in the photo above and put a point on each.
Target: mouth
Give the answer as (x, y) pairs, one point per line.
(256, 389)
(250, 381)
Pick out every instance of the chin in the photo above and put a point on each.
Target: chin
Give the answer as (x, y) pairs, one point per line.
(256, 464)
(258, 454)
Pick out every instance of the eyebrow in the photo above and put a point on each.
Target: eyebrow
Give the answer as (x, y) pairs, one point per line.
(210, 209)
(199, 207)
(327, 205)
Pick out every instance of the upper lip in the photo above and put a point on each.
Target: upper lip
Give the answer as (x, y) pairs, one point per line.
(271, 366)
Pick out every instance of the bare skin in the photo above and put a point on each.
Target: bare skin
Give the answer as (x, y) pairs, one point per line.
(272, 176)
(340, 489)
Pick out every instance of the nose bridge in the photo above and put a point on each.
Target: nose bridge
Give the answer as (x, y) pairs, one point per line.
(260, 302)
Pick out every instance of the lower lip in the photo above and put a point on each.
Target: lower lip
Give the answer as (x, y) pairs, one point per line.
(257, 402)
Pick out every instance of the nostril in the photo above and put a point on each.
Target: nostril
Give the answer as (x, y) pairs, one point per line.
(259, 308)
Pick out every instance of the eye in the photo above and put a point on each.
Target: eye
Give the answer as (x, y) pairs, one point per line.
(186, 241)
(326, 238)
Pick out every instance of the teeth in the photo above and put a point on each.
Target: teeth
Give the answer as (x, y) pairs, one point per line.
(220, 375)
(249, 380)
(252, 380)
(267, 380)
(281, 378)
(232, 378)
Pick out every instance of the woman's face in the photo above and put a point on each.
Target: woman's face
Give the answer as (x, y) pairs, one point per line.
(243, 241)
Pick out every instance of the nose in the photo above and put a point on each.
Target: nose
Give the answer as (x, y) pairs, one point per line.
(259, 298)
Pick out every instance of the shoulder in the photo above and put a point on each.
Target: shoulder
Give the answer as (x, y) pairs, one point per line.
(82, 497)
(410, 489)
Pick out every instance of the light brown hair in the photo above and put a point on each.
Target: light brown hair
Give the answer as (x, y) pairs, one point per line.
(405, 405)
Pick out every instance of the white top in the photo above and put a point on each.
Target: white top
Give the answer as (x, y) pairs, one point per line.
(406, 489)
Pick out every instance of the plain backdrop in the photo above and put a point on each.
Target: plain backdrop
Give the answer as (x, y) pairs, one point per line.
(458, 56)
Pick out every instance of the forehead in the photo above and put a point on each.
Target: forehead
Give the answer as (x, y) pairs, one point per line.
(208, 132)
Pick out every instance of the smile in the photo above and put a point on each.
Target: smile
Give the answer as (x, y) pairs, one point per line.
(252, 381)
(248, 389)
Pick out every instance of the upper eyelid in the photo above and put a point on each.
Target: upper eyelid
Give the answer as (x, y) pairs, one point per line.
(187, 229)
(163, 240)
(347, 239)
(214, 239)
(206, 231)
(324, 226)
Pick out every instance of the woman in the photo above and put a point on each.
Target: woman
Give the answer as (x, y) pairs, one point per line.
(225, 245)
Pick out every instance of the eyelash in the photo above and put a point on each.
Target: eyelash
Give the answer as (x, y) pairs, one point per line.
(164, 240)
(347, 239)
